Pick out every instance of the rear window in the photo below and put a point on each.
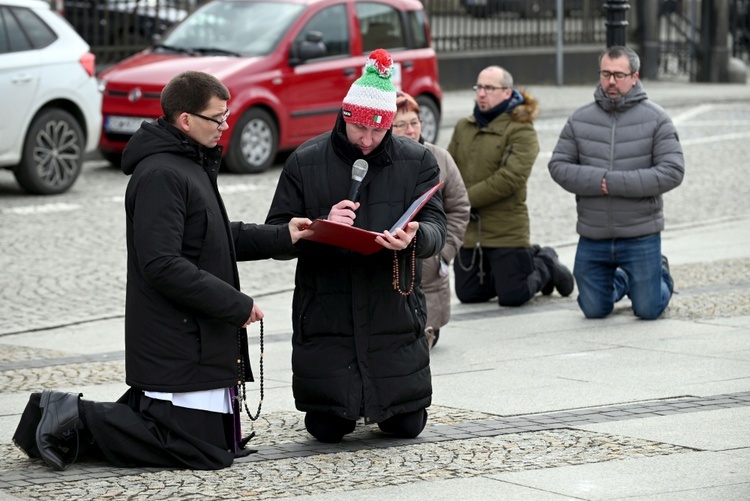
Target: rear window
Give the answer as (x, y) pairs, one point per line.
(381, 27)
(21, 29)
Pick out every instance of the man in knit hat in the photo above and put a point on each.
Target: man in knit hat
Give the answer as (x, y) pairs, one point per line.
(358, 346)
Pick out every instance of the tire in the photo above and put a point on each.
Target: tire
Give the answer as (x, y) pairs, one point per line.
(430, 115)
(53, 153)
(254, 143)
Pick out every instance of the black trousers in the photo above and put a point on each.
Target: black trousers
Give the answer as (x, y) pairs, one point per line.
(513, 275)
(330, 428)
(141, 431)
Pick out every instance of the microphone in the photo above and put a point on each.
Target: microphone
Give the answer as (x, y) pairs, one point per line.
(359, 169)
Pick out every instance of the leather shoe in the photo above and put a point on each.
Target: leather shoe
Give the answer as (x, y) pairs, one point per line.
(59, 421)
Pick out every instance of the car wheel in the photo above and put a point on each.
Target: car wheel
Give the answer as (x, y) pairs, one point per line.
(52, 153)
(430, 115)
(254, 143)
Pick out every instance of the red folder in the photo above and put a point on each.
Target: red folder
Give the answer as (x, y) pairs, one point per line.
(359, 240)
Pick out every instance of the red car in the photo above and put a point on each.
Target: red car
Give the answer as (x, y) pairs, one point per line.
(287, 63)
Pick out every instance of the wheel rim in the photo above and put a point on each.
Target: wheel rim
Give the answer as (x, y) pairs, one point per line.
(429, 125)
(256, 142)
(57, 153)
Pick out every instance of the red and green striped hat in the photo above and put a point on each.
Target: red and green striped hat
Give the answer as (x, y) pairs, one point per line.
(371, 99)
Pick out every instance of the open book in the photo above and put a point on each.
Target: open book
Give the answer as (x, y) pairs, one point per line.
(359, 240)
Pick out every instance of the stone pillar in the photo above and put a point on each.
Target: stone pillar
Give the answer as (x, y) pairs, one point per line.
(648, 19)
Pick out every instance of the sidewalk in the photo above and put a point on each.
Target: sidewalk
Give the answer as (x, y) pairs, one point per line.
(529, 403)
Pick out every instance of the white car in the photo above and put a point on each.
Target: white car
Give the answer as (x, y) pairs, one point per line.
(51, 104)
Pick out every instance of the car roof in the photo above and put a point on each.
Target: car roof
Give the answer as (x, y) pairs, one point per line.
(409, 4)
(35, 4)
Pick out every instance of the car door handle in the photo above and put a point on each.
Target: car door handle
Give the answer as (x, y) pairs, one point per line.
(22, 78)
(407, 65)
(350, 71)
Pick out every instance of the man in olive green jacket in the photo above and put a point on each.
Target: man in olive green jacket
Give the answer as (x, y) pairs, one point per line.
(495, 149)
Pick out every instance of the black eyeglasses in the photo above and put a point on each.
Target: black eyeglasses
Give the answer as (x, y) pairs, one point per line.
(489, 89)
(218, 123)
(619, 75)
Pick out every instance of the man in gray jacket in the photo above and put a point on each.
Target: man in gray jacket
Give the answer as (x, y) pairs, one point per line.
(618, 155)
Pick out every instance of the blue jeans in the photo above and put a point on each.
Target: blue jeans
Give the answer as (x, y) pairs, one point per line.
(607, 270)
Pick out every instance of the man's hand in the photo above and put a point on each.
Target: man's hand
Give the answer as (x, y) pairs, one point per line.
(298, 228)
(401, 239)
(604, 186)
(343, 212)
(255, 315)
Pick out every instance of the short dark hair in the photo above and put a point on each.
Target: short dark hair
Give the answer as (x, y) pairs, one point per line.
(190, 92)
(617, 51)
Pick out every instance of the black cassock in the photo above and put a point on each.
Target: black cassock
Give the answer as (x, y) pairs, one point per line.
(141, 431)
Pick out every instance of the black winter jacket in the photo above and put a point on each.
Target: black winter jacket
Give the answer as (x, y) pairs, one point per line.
(183, 308)
(358, 345)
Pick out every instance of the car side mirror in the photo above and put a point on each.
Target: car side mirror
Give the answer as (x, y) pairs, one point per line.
(310, 48)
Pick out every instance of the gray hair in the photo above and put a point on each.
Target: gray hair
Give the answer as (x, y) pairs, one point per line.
(617, 51)
(506, 80)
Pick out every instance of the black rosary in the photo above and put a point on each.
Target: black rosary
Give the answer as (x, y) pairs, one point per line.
(241, 375)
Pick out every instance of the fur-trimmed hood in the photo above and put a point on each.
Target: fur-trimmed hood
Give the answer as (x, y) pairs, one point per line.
(528, 110)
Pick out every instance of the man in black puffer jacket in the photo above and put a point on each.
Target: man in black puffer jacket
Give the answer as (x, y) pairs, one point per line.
(359, 348)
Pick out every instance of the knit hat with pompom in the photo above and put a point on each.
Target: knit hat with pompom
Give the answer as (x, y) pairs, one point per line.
(371, 99)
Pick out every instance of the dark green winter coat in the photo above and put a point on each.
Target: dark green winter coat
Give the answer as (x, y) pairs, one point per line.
(495, 164)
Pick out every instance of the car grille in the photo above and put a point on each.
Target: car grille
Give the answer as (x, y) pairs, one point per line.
(123, 93)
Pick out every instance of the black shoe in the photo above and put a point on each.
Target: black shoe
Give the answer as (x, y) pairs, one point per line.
(561, 277)
(60, 420)
(432, 336)
(549, 287)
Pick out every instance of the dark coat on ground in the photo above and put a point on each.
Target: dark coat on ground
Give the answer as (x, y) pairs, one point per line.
(184, 310)
(358, 345)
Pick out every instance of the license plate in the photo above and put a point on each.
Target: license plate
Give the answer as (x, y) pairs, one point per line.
(124, 125)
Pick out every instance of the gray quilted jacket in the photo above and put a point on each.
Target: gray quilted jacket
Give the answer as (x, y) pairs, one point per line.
(634, 144)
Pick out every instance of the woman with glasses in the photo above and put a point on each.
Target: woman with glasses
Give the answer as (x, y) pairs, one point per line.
(435, 271)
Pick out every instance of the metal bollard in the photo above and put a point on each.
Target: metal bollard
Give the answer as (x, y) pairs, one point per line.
(614, 13)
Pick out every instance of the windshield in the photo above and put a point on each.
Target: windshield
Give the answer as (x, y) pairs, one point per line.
(240, 28)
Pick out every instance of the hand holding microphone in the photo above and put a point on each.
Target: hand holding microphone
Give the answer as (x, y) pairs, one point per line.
(343, 212)
(359, 169)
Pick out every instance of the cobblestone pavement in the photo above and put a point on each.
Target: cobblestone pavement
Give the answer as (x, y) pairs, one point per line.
(63, 257)
(456, 444)
(63, 264)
